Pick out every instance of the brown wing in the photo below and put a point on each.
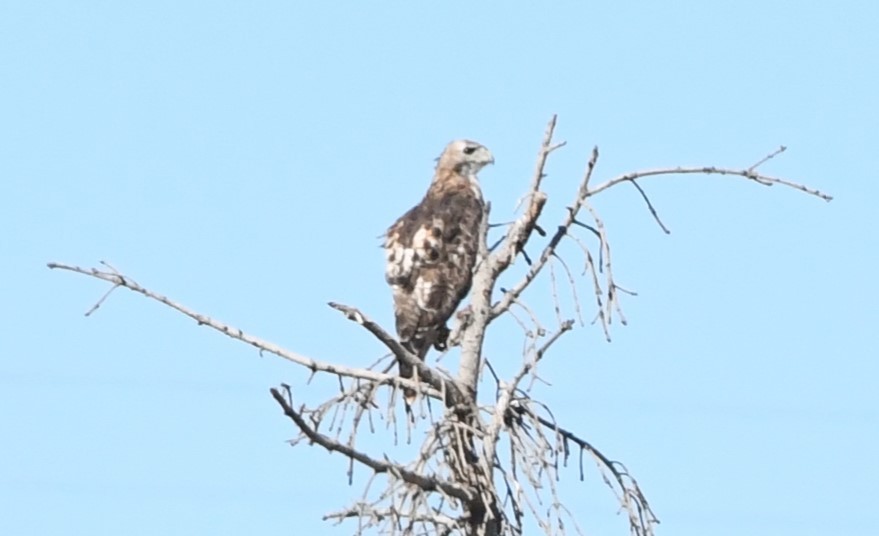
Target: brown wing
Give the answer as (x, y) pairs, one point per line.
(431, 252)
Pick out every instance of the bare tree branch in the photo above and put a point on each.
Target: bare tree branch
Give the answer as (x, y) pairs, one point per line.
(632, 499)
(748, 173)
(550, 248)
(521, 230)
(426, 373)
(423, 482)
(474, 333)
(119, 280)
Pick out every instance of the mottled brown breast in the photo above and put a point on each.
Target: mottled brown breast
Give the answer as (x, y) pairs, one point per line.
(431, 251)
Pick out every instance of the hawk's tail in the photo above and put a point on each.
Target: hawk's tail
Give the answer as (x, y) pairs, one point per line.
(419, 347)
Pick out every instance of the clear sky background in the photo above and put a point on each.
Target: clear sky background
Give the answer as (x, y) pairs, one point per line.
(242, 158)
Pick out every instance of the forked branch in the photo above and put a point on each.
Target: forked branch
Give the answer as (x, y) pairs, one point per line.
(749, 173)
(425, 483)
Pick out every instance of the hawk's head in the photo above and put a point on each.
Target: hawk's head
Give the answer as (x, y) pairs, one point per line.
(465, 156)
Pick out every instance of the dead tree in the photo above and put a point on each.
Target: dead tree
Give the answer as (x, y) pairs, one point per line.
(489, 464)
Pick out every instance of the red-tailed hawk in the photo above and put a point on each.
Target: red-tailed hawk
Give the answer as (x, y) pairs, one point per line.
(431, 251)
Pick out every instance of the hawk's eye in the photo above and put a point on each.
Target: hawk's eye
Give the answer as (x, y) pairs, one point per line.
(469, 150)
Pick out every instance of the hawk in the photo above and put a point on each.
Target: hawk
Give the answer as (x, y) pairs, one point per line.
(431, 251)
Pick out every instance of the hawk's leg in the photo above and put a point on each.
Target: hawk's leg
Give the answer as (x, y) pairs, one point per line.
(442, 338)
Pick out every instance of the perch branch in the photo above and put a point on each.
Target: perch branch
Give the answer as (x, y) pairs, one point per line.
(425, 373)
(119, 280)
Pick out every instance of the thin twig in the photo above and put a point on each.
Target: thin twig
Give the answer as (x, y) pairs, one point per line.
(768, 157)
(650, 206)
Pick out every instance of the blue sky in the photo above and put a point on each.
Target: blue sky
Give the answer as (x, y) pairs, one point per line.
(243, 158)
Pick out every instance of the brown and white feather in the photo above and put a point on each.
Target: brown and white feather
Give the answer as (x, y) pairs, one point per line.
(431, 251)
